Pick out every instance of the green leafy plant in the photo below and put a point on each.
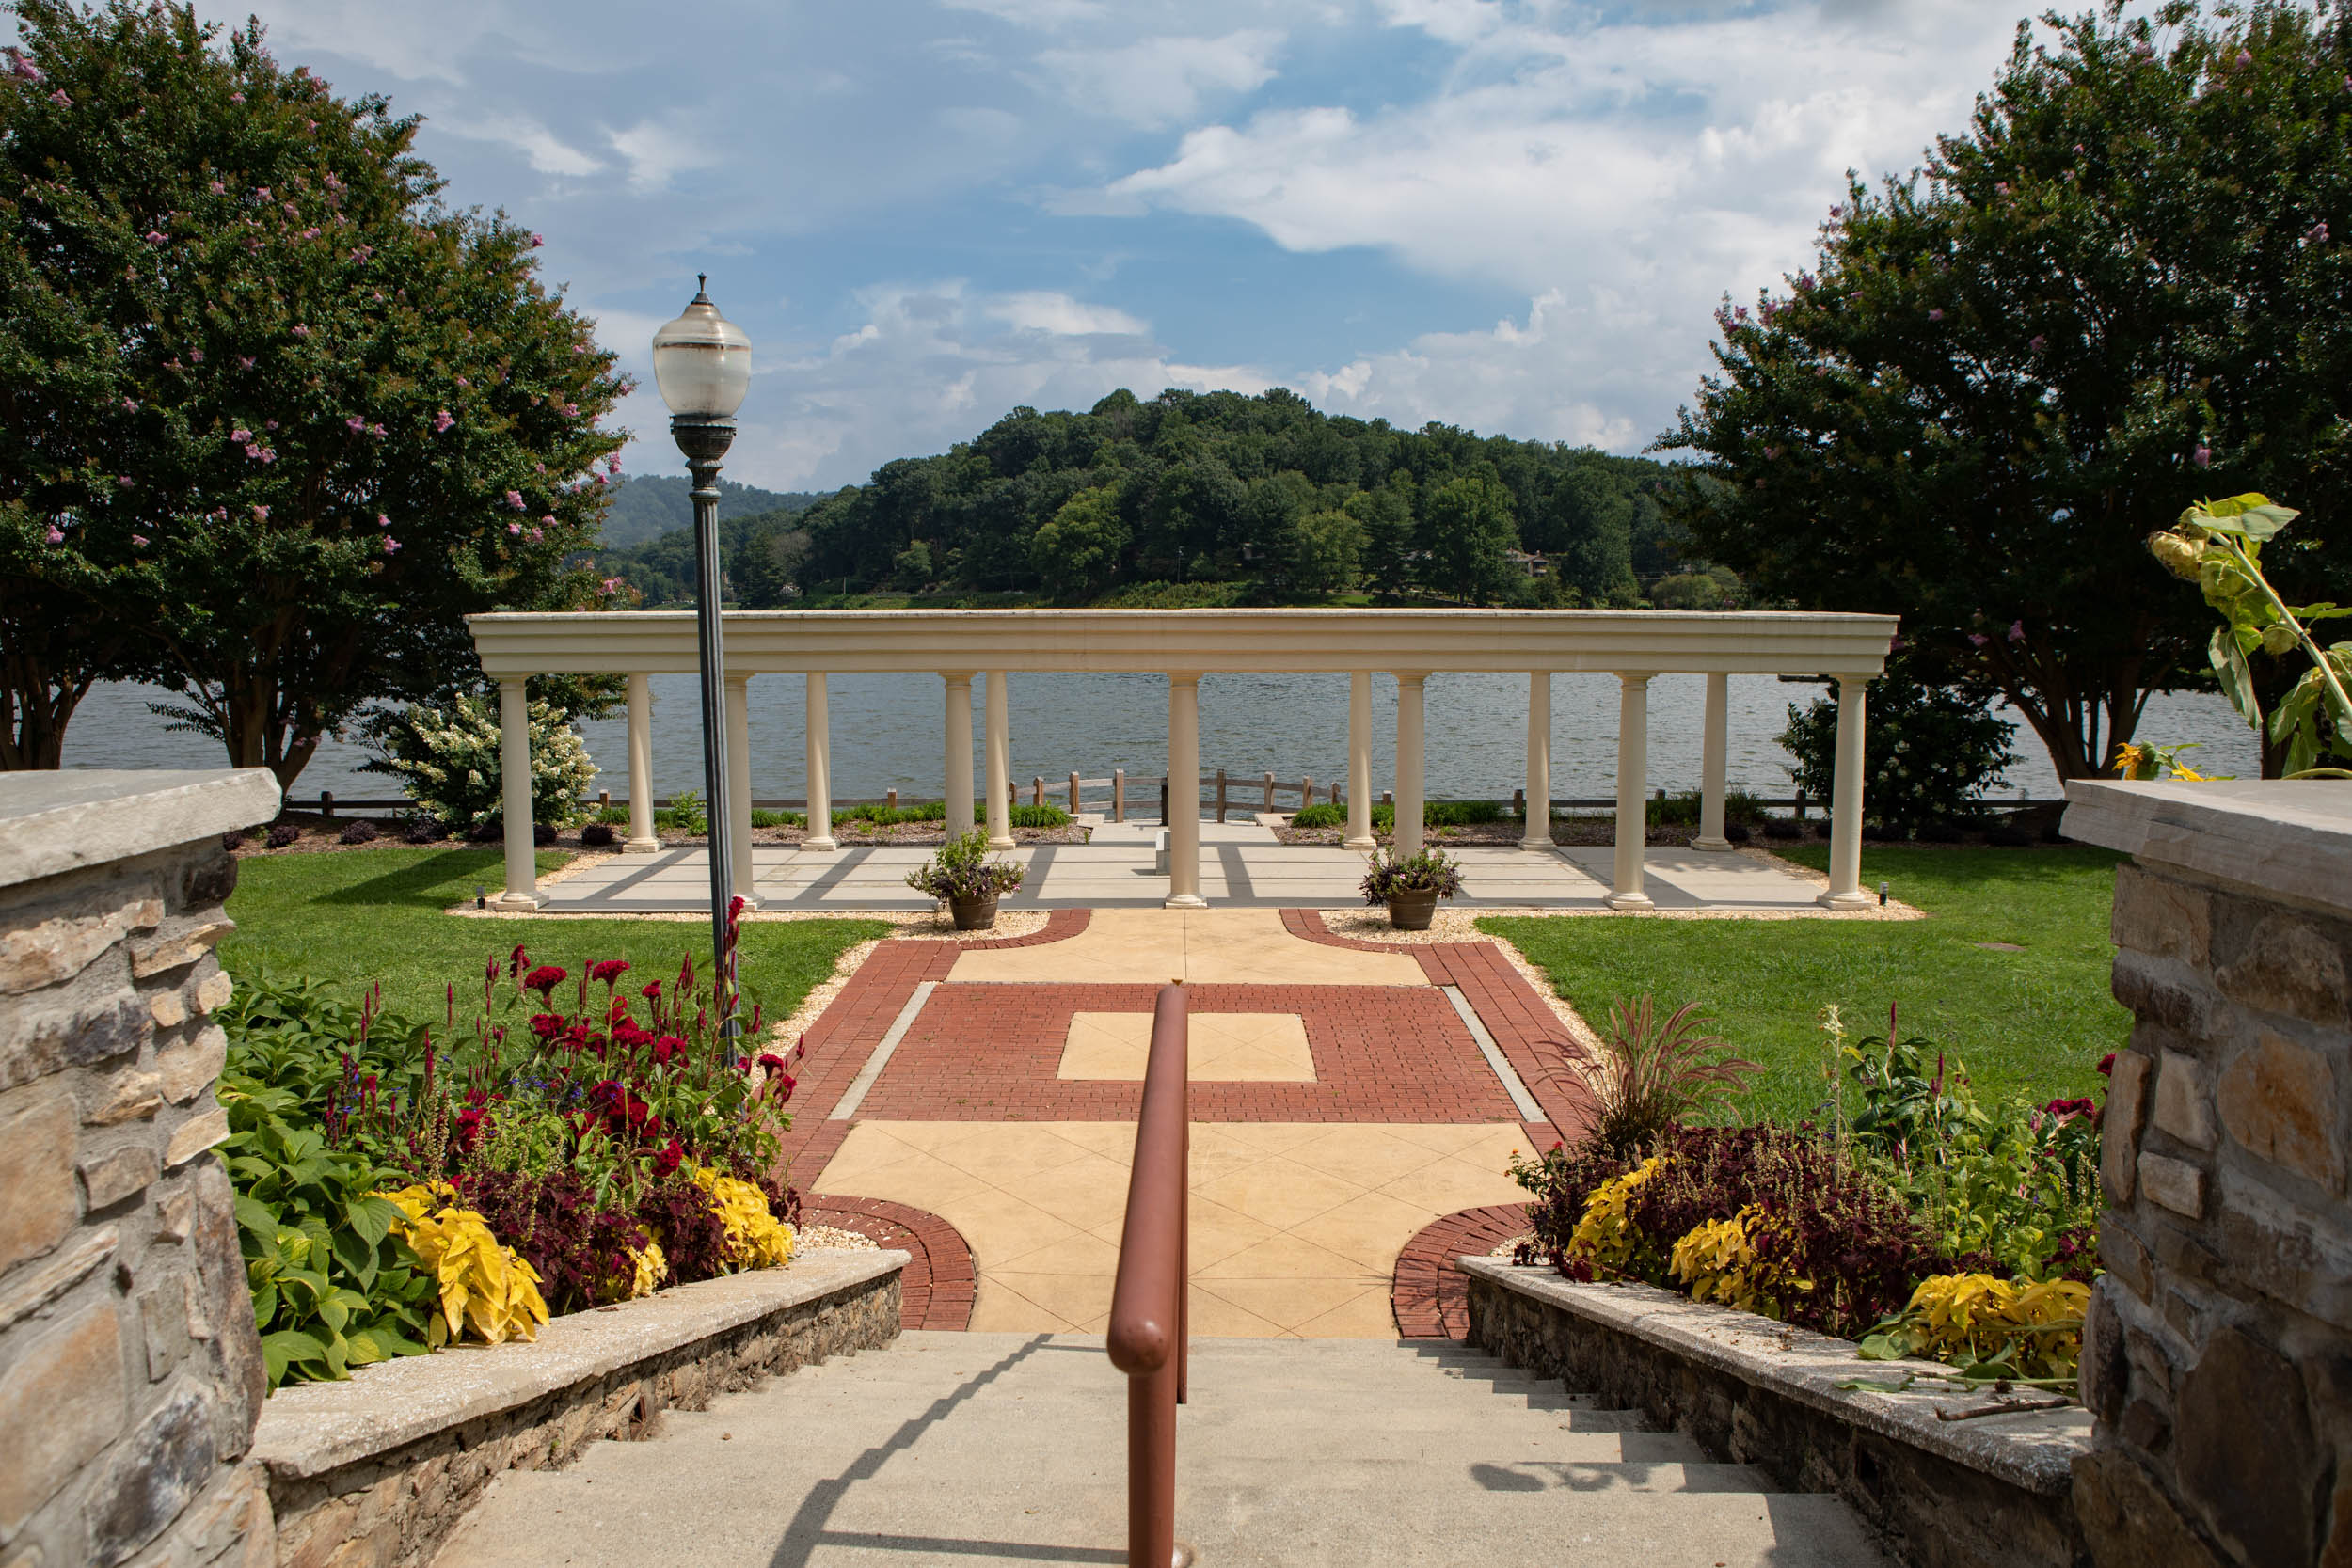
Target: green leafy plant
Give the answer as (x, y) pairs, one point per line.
(1930, 750)
(1654, 1072)
(962, 870)
(2219, 545)
(448, 760)
(1390, 875)
(1326, 814)
(684, 815)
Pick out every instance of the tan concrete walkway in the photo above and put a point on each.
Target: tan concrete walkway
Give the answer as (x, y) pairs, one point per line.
(1196, 946)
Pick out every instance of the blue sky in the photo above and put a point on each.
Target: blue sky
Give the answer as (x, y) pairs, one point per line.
(1510, 214)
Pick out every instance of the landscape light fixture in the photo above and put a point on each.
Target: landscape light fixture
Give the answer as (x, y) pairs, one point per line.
(703, 363)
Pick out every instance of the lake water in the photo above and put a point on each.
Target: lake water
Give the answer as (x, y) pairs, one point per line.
(887, 733)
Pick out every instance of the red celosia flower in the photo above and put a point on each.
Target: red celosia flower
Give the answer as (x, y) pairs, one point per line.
(667, 1050)
(2107, 1065)
(542, 979)
(545, 1025)
(671, 1155)
(608, 971)
(652, 990)
(625, 1032)
(2067, 1110)
(516, 959)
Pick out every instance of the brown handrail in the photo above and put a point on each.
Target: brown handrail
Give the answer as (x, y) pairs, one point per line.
(1148, 1337)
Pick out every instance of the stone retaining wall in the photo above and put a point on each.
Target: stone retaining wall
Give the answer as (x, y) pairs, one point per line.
(130, 1372)
(2219, 1348)
(377, 1470)
(1984, 1493)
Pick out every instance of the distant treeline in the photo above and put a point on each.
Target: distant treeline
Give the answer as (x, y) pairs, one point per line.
(1215, 498)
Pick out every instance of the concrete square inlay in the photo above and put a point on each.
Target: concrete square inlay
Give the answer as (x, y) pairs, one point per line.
(1226, 1048)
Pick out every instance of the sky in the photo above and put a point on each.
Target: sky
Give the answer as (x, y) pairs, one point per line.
(1512, 216)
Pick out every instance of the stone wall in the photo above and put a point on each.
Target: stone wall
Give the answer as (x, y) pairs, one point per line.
(2218, 1353)
(130, 1372)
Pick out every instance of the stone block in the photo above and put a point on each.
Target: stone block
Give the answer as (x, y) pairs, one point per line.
(2278, 1100)
(44, 949)
(170, 1008)
(2158, 994)
(2127, 1520)
(121, 1173)
(225, 1301)
(154, 1474)
(129, 1095)
(2175, 1184)
(2183, 1104)
(38, 1203)
(2124, 1257)
(69, 1386)
(2105, 1370)
(36, 1039)
(197, 1134)
(2160, 916)
(177, 948)
(2120, 1125)
(164, 1313)
(2289, 966)
(213, 991)
(36, 1287)
(193, 1065)
(175, 1216)
(2244, 1454)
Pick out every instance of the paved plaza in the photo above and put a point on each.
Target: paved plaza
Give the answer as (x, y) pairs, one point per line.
(1240, 866)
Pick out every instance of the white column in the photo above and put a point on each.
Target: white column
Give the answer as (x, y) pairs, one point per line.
(1711, 765)
(1632, 791)
(1537, 833)
(640, 835)
(522, 868)
(999, 762)
(739, 692)
(958, 776)
(1845, 830)
(820, 791)
(1408, 761)
(1183, 791)
(1359, 762)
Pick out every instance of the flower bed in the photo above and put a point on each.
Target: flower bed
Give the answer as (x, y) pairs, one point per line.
(1910, 1218)
(565, 1141)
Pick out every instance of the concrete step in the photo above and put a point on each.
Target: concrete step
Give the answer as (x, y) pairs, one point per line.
(1012, 1448)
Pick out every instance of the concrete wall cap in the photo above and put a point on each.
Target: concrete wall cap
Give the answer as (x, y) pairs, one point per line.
(2035, 1450)
(310, 1428)
(2290, 838)
(63, 820)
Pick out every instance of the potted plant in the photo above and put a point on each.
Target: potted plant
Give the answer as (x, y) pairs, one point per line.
(1411, 885)
(963, 873)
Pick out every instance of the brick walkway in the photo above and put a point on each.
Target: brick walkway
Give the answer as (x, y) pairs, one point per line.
(1386, 1058)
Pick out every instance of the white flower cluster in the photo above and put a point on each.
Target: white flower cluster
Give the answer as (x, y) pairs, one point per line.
(447, 761)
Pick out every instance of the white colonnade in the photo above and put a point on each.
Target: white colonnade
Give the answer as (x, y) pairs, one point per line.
(1182, 644)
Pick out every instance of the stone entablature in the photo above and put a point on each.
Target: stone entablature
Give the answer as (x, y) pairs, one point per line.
(130, 1372)
(2218, 1355)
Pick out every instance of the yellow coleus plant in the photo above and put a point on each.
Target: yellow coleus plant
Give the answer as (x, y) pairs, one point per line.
(1719, 1262)
(755, 1237)
(1606, 1236)
(487, 1289)
(1990, 1326)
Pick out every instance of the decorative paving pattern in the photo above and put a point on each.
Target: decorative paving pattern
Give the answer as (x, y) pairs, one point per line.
(1430, 1297)
(937, 1286)
(1240, 1047)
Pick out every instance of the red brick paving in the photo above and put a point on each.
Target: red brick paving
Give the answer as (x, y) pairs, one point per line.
(937, 1287)
(1431, 1295)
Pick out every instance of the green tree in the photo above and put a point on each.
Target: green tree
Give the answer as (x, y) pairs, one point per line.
(1592, 526)
(1078, 550)
(268, 402)
(1467, 526)
(1325, 553)
(2116, 293)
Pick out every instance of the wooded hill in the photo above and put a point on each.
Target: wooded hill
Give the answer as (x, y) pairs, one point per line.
(1216, 498)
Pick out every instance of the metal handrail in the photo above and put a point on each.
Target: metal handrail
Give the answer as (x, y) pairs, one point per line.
(1149, 1339)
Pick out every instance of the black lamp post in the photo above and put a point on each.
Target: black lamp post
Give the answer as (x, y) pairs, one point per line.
(703, 363)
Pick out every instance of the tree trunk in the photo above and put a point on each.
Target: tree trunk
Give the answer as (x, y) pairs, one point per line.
(36, 712)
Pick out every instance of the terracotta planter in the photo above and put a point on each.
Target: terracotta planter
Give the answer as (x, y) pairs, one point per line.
(978, 914)
(1412, 910)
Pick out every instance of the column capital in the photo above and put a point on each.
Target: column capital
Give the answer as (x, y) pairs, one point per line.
(1184, 677)
(1409, 677)
(1635, 677)
(957, 677)
(734, 679)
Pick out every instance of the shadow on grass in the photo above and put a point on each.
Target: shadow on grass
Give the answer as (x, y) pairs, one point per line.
(433, 883)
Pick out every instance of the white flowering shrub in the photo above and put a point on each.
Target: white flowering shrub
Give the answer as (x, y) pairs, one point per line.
(447, 759)
(1929, 751)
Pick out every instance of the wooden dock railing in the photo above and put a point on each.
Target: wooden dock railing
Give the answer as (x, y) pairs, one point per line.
(1147, 1339)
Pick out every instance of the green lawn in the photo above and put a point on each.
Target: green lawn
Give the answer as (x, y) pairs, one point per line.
(2031, 1024)
(357, 916)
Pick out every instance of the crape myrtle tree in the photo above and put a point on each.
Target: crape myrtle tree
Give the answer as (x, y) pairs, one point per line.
(264, 400)
(2118, 293)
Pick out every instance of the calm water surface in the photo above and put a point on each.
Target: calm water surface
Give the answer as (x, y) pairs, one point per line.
(887, 733)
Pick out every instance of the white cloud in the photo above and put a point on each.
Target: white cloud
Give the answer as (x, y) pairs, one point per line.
(547, 153)
(657, 152)
(1058, 314)
(1163, 81)
(1032, 13)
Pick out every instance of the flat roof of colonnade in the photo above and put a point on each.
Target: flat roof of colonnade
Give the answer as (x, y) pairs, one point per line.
(1780, 643)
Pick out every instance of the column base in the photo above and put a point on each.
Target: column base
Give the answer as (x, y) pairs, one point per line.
(1185, 901)
(1537, 843)
(1631, 901)
(514, 903)
(1362, 845)
(642, 846)
(751, 901)
(1855, 900)
(1705, 841)
(1004, 843)
(819, 845)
